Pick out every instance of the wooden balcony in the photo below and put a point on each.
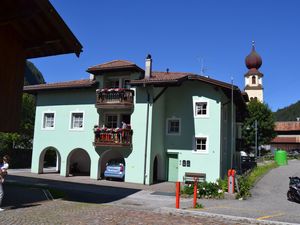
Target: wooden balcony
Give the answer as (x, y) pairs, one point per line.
(119, 98)
(116, 137)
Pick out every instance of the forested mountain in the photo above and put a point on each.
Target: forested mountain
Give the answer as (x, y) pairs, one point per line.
(32, 75)
(289, 113)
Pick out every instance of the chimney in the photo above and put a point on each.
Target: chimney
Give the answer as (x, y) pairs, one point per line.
(92, 77)
(148, 67)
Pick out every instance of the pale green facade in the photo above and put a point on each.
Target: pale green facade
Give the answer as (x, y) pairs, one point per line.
(154, 154)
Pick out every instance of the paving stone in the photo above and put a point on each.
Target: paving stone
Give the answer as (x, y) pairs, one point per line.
(67, 212)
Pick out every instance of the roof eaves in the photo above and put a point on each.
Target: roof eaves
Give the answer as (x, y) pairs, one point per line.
(56, 86)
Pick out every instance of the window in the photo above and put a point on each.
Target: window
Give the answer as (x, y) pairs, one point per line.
(112, 121)
(113, 84)
(76, 120)
(173, 126)
(253, 80)
(201, 144)
(126, 84)
(200, 108)
(48, 120)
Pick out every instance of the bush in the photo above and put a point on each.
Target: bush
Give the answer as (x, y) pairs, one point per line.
(205, 190)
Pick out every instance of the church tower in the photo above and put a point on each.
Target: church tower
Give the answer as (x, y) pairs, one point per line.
(253, 78)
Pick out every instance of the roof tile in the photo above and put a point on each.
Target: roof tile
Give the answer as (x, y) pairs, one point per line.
(287, 126)
(60, 85)
(112, 65)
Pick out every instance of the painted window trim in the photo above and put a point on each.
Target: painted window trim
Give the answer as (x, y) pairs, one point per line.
(195, 145)
(43, 120)
(167, 126)
(200, 100)
(70, 121)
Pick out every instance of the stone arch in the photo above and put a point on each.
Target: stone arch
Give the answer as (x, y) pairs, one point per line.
(49, 160)
(157, 169)
(108, 155)
(78, 163)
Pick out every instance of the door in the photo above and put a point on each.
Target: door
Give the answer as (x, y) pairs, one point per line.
(173, 168)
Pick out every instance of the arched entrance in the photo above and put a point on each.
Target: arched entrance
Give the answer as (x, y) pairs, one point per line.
(78, 163)
(49, 160)
(155, 170)
(108, 156)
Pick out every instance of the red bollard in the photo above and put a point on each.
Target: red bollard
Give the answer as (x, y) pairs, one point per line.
(195, 193)
(231, 174)
(177, 194)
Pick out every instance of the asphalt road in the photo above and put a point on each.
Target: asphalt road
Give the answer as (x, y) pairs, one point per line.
(268, 201)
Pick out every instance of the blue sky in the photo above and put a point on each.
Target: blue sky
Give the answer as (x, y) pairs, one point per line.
(180, 35)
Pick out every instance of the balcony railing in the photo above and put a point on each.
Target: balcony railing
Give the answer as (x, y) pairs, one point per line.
(114, 97)
(113, 137)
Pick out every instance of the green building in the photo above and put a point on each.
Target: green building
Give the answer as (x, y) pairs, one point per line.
(162, 124)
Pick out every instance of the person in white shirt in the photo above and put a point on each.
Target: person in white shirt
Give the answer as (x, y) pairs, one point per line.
(3, 172)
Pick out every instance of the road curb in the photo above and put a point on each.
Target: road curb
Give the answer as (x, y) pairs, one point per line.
(221, 216)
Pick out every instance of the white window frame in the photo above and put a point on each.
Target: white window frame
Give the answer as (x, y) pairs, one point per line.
(200, 100)
(167, 126)
(206, 151)
(71, 121)
(195, 108)
(43, 120)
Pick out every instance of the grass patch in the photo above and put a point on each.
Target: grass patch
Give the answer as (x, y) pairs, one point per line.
(259, 171)
(248, 180)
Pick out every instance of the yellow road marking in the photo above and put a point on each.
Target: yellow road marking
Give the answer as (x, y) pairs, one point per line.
(270, 216)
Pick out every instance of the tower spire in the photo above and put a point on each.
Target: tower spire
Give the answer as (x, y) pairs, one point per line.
(253, 45)
(253, 78)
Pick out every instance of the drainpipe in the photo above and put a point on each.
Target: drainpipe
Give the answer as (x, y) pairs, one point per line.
(146, 138)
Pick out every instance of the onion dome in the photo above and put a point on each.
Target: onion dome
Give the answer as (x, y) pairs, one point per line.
(253, 60)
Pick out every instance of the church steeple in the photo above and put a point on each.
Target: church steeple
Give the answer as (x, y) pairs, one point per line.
(253, 78)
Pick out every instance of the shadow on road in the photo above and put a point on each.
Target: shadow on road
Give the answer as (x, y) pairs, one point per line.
(21, 197)
(27, 191)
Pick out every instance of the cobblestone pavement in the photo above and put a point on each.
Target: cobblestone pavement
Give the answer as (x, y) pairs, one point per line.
(66, 212)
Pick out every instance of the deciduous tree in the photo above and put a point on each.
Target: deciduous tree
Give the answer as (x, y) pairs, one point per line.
(261, 113)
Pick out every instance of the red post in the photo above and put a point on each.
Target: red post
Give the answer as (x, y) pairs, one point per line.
(231, 174)
(177, 194)
(195, 193)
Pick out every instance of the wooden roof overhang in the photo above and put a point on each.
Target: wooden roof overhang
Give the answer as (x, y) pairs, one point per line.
(39, 27)
(69, 85)
(28, 29)
(240, 98)
(123, 68)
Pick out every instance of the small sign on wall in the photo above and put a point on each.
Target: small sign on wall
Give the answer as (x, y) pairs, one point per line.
(186, 163)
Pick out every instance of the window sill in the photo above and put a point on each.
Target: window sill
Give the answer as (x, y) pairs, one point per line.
(200, 152)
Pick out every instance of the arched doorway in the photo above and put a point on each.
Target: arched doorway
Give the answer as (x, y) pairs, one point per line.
(155, 170)
(78, 163)
(50, 160)
(109, 156)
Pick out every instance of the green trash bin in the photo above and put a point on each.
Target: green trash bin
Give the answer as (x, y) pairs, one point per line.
(281, 157)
